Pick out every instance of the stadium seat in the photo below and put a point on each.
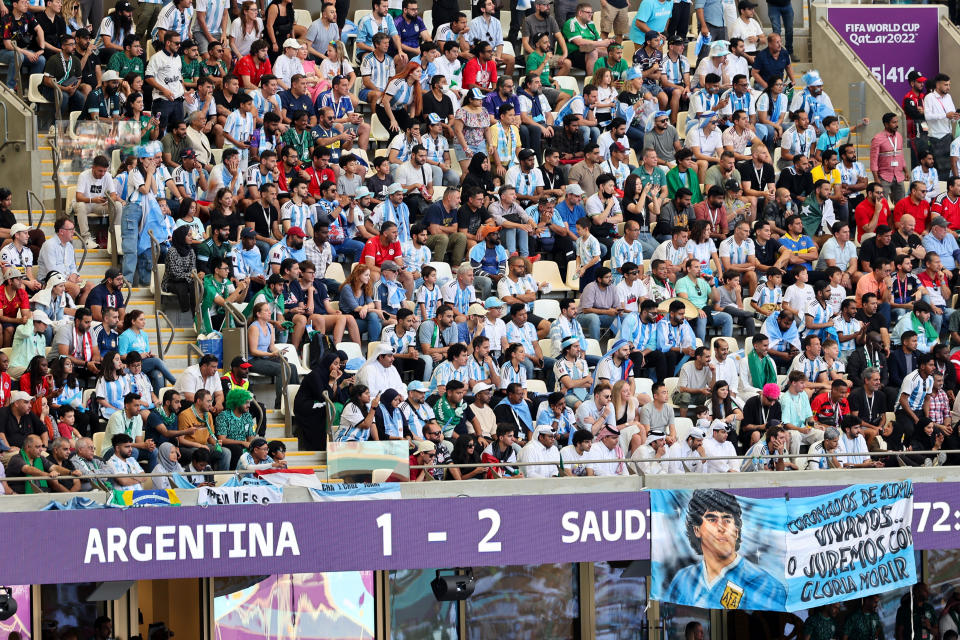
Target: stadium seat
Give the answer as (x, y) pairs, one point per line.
(33, 89)
(302, 17)
(428, 19)
(546, 346)
(643, 385)
(74, 117)
(372, 348)
(115, 161)
(683, 426)
(731, 343)
(378, 132)
(546, 308)
(671, 385)
(352, 349)
(548, 271)
(573, 280)
(335, 272)
(217, 155)
(593, 347)
(536, 386)
(444, 273)
(568, 83)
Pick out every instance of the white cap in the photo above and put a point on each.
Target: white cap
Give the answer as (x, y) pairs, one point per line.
(18, 227)
(109, 75)
(384, 349)
(544, 428)
(20, 395)
(40, 316)
(292, 43)
(653, 436)
(481, 386)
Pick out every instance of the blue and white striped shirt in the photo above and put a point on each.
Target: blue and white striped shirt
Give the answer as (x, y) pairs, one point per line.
(297, 214)
(380, 72)
(429, 299)
(435, 148)
(402, 343)
(369, 27)
(256, 178)
(171, 18)
(414, 259)
(400, 92)
(239, 126)
(189, 180)
(213, 15)
(262, 104)
(508, 375)
(621, 253)
(444, 372)
(113, 392)
(460, 298)
(669, 336)
(478, 370)
(916, 389)
(525, 335)
(507, 287)
(765, 295)
(400, 216)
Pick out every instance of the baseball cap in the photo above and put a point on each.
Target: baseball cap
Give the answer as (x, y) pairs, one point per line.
(123, 5)
(425, 446)
(678, 40)
(292, 43)
(476, 94)
(10, 273)
(651, 35)
(493, 302)
(771, 390)
(732, 185)
(389, 265)
(188, 153)
(109, 75)
(746, 4)
(575, 189)
(618, 147)
(20, 395)
(248, 233)
(296, 231)
(915, 75)
(416, 385)
(241, 362)
(525, 154)
(18, 227)
(939, 221)
(476, 309)
(481, 386)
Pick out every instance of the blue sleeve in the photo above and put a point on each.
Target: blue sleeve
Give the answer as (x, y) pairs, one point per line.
(822, 142)
(644, 11)
(662, 343)
(348, 301)
(123, 346)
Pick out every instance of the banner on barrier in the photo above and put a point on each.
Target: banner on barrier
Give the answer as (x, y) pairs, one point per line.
(240, 495)
(891, 41)
(713, 549)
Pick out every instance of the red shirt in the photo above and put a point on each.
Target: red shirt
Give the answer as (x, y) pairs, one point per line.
(484, 77)
(10, 307)
(949, 209)
(318, 177)
(826, 410)
(920, 213)
(374, 249)
(26, 386)
(247, 67)
(863, 214)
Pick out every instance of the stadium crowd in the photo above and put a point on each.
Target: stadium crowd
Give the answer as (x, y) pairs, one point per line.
(718, 233)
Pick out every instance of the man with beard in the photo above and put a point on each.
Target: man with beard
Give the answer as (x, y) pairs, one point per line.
(164, 74)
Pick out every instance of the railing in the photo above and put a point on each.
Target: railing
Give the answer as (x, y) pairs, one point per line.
(158, 299)
(6, 128)
(83, 244)
(55, 154)
(161, 348)
(31, 194)
(191, 350)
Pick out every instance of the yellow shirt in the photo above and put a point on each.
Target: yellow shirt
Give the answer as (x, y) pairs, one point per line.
(817, 174)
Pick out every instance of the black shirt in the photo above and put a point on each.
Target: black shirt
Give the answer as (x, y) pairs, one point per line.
(15, 470)
(471, 220)
(234, 221)
(899, 242)
(378, 186)
(870, 412)
(442, 107)
(755, 413)
(749, 173)
(555, 180)
(870, 251)
(262, 220)
(874, 323)
(17, 431)
(7, 218)
(767, 254)
(799, 186)
(53, 30)
(221, 100)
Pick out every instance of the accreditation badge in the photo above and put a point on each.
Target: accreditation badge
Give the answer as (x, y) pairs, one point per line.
(732, 595)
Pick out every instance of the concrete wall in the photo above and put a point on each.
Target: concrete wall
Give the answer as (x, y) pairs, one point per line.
(949, 48)
(16, 124)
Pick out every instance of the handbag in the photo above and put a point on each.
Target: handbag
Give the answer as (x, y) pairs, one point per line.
(212, 344)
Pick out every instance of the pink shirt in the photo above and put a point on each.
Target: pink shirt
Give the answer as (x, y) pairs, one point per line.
(886, 156)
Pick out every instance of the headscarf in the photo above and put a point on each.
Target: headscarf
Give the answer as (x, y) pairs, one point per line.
(179, 241)
(607, 430)
(236, 397)
(392, 418)
(164, 461)
(521, 410)
(322, 370)
(626, 369)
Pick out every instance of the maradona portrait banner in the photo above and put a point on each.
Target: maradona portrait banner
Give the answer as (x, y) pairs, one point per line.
(717, 550)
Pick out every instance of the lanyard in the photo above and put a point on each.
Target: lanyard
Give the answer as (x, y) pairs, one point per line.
(869, 402)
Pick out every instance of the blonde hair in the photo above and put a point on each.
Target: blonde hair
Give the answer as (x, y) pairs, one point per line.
(618, 402)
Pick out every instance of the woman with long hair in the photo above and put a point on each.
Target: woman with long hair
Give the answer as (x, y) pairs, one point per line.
(265, 357)
(133, 112)
(356, 298)
(358, 419)
(626, 407)
(187, 216)
(225, 211)
(402, 101)
(130, 83)
(336, 63)
(36, 380)
(513, 370)
(467, 450)
(280, 25)
(703, 248)
(72, 14)
(134, 338)
(111, 385)
(772, 111)
(470, 124)
(245, 29)
(721, 404)
(181, 264)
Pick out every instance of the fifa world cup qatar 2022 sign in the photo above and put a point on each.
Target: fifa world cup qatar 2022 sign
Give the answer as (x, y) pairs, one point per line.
(891, 41)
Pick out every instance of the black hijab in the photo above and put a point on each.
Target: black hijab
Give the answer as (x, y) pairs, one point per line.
(179, 240)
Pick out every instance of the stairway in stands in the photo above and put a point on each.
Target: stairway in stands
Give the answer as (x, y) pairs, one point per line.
(98, 261)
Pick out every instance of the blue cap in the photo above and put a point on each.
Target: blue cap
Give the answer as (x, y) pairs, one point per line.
(354, 364)
(416, 385)
(812, 78)
(434, 118)
(143, 151)
(493, 302)
(634, 72)
(476, 94)
(706, 118)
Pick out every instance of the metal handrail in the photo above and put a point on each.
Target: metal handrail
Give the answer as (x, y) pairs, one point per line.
(160, 315)
(31, 194)
(83, 244)
(155, 254)
(18, 68)
(55, 154)
(6, 126)
(191, 349)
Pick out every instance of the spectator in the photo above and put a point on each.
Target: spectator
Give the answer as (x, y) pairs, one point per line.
(696, 378)
(21, 36)
(760, 457)
(940, 116)
(129, 422)
(235, 425)
(689, 454)
(199, 417)
(771, 63)
(218, 291)
(88, 464)
(694, 288)
(543, 448)
(886, 158)
(201, 376)
(379, 374)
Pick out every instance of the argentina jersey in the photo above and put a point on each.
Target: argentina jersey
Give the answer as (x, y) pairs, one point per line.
(213, 15)
(430, 299)
(380, 72)
(297, 214)
(239, 126)
(189, 180)
(256, 178)
(263, 105)
(739, 585)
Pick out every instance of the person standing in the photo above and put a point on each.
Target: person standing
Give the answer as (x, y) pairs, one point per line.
(941, 115)
(886, 158)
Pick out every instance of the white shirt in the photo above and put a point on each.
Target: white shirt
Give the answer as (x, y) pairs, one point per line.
(650, 466)
(728, 372)
(533, 451)
(93, 187)
(56, 256)
(191, 381)
(166, 70)
(284, 68)
(857, 445)
(631, 295)
(407, 174)
(741, 29)
(130, 465)
(599, 452)
(692, 462)
(574, 461)
(605, 141)
(935, 110)
(379, 378)
(595, 205)
(713, 448)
